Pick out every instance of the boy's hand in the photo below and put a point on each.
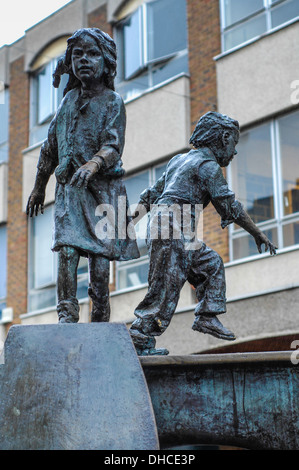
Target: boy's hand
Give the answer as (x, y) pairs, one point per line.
(260, 240)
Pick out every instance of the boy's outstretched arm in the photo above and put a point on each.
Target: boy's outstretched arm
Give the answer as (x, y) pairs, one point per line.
(247, 224)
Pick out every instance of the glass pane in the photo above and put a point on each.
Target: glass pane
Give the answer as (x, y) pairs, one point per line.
(4, 116)
(236, 10)
(245, 246)
(285, 12)
(3, 248)
(244, 32)
(43, 257)
(133, 276)
(170, 69)
(166, 28)
(42, 299)
(132, 44)
(289, 148)
(83, 265)
(38, 133)
(44, 95)
(82, 288)
(291, 234)
(135, 87)
(135, 185)
(251, 172)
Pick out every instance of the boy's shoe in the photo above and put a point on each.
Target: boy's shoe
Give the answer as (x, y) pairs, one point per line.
(145, 345)
(152, 352)
(212, 326)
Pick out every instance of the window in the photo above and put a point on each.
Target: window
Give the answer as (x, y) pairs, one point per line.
(4, 117)
(243, 20)
(43, 264)
(44, 98)
(152, 46)
(3, 266)
(265, 178)
(134, 273)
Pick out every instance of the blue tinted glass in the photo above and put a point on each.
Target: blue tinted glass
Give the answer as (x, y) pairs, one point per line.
(169, 69)
(284, 12)
(133, 276)
(44, 83)
(43, 262)
(250, 29)
(245, 246)
(252, 178)
(135, 185)
(4, 115)
(236, 10)
(166, 27)
(132, 44)
(289, 151)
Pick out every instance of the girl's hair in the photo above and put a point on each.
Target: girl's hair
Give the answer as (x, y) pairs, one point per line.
(105, 44)
(209, 128)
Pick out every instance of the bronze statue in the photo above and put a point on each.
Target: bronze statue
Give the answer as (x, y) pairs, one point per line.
(194, 178)
(84, 147)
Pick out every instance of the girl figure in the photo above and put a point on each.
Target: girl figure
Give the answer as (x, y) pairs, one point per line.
(84, 147)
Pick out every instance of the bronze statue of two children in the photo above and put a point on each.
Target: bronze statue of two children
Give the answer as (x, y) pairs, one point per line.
(84, 148)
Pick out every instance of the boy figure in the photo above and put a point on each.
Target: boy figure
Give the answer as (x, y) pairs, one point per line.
(84, 147)
(192, 178)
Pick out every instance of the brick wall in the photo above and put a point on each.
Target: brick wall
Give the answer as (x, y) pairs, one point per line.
(204, 44)
(98, 19)
(16, 219)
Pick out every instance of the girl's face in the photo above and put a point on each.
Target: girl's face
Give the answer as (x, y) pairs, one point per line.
(87, 60)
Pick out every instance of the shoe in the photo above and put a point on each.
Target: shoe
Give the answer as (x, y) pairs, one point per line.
(145, 345)
(67, 319)
(152, 352)
(212, 326)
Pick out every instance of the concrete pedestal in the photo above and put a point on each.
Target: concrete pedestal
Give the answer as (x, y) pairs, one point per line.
(74, 386)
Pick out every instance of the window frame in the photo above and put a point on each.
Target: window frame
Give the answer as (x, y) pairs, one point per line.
(280, 219)
(4, 144)
(269, 5)
(38, 128)
(147, 65)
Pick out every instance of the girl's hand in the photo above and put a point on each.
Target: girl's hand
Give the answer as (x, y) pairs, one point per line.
(84, 174)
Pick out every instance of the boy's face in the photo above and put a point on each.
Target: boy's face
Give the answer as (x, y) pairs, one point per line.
(87, 60)
(230, 140)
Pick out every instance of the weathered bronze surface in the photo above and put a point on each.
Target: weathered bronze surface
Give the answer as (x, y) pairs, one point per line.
(84, 147)
(74, 387)
(248, 400)
(191, 180)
